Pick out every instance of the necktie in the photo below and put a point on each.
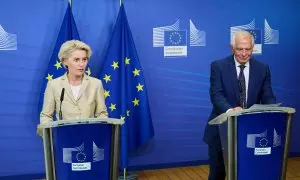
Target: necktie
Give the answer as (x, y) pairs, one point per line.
(242, 87)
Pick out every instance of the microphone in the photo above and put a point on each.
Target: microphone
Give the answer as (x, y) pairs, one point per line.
(61, 100)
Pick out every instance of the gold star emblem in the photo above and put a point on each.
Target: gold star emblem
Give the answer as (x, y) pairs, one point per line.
(106, 93)
(122, 117)
(139, 87)
(136, 72)
(112, 107)
(107, 78)
(88, 72)
(136, 102)
(127, 60)
(128, 113)
(57, 65)
(49, 77)
(115, 65)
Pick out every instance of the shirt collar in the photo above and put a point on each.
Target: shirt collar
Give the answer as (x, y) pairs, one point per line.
(237, 64)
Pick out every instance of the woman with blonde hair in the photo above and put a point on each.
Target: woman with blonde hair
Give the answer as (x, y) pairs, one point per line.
(83, 95)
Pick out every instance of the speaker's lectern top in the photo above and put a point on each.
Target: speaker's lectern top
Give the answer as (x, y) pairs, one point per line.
(69, 122)
(252, 110)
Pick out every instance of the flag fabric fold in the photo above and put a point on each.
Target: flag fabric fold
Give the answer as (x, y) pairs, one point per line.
(125, 90)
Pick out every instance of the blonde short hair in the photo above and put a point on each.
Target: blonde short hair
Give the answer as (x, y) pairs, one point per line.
(68, 47)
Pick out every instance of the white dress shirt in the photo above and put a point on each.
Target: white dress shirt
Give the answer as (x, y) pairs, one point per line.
(75, 90)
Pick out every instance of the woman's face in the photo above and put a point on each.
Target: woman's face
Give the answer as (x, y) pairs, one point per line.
(77, 63)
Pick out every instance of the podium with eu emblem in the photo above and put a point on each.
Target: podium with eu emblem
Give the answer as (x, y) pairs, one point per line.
(255, 142)
(82, 149)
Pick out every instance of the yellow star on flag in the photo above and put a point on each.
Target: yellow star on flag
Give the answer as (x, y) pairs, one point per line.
(112, 107)
(115, 65)
(106, 93)
(139, 87)
(136, 102)
(107, 78)
(49, 77)
(88, 72)
(57, 65)
(127, 60)
(128, 113)
(122, 117)
(136, 72)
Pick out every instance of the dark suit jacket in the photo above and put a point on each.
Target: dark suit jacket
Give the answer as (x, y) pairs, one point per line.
(224, 90)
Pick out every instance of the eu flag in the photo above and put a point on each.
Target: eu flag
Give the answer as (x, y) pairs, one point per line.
(175, 38)
(68, 31)
(125, 90)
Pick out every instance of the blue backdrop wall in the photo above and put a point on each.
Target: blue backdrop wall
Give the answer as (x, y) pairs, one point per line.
(177, 85)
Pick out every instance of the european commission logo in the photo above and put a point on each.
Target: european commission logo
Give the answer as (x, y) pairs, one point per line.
(7, 41)
(271, 36)
(261, 144)
(81, 158)
(175, 41)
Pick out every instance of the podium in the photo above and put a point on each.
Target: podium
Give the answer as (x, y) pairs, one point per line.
(255, 142)
(82, 148)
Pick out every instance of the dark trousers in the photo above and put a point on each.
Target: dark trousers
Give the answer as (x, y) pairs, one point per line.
(216, 161)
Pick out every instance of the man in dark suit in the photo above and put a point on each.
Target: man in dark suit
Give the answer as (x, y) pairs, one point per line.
(236, 82)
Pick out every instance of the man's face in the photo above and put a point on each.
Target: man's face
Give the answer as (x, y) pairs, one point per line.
(242, 49)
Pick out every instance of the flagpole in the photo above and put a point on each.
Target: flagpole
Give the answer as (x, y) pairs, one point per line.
(124, 170)
(124, 173)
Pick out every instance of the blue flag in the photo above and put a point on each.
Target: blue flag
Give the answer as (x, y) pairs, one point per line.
(68, 31)
(125, 90)
(175, 38)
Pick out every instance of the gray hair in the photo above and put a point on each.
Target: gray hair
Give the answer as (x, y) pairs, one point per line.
(241, 33)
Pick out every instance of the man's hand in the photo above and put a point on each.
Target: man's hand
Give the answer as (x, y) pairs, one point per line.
(238, 108)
